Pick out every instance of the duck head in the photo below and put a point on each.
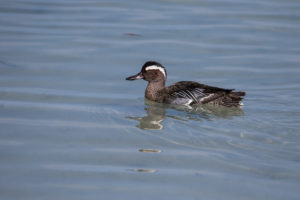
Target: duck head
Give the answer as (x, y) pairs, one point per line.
(151, 71)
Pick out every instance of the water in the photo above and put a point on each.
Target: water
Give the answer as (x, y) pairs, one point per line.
(72, 128)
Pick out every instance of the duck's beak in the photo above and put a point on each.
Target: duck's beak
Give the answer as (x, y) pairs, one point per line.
(135, 77)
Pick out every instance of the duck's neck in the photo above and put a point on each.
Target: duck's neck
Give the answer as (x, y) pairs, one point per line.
(153, 91)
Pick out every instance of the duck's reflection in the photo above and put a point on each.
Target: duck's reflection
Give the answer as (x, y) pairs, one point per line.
(156, 113)
(143, 170)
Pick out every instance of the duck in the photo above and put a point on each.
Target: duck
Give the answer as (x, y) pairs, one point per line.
(188, 93)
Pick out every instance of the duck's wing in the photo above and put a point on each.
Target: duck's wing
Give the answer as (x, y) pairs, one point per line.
(188, 93)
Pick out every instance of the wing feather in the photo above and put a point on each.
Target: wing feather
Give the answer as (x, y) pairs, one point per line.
(194, 93)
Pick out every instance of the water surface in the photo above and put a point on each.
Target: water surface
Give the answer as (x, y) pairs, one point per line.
(71, 127)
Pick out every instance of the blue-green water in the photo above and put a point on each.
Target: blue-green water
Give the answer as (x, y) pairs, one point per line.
(71, 127)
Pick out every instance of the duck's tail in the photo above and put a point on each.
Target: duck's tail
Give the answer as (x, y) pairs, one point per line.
(233, 99)
(240, 94)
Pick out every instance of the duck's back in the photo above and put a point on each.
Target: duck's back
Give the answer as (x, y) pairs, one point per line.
(189, 93)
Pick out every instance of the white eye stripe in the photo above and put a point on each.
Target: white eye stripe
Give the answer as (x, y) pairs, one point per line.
(154, 67)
